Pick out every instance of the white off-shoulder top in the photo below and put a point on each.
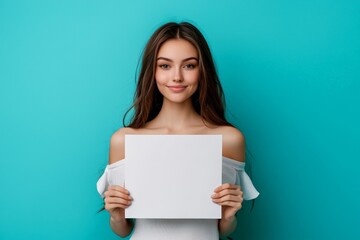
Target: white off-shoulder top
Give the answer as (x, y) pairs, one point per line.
(180, 229)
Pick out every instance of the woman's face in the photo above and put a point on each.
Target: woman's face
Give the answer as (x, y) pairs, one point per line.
(177, 70)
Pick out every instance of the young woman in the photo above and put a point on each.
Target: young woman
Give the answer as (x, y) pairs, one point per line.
(178, 92)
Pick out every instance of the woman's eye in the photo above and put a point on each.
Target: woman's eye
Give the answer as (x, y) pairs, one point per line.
(164, 66)
(190, 66)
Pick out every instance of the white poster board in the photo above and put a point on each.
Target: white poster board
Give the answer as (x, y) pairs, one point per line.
(173, 176)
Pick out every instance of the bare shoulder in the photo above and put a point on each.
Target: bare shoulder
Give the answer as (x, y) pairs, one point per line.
(119, 135)
(233, 143)
(117, 144)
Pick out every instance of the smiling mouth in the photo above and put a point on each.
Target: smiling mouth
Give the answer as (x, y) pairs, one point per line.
(177, 88)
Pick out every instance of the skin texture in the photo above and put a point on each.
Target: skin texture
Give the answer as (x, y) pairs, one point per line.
(177, 65)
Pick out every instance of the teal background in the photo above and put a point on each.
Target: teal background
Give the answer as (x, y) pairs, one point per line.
(290, 71)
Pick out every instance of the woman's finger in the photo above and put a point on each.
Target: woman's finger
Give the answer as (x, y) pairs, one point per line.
(112, 193)
(226, 186)
(112, 200)
(118, 188)
(224, 192)
(228, 198)
(236, 205)
(111, 206)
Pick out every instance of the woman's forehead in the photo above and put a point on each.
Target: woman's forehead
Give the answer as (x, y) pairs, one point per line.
(177, 49)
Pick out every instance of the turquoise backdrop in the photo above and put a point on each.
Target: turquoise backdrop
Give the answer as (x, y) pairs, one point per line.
(290, 71)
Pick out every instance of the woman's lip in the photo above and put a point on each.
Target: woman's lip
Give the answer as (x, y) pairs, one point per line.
(177, 88)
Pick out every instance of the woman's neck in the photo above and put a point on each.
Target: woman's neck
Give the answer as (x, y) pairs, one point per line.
(176, 116)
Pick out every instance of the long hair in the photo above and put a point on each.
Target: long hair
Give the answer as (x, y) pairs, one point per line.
(208, 100)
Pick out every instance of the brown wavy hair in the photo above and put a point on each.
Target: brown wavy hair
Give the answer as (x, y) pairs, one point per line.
(208, 100)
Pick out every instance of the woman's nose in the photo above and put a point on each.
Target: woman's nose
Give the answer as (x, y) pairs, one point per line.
(177, 76)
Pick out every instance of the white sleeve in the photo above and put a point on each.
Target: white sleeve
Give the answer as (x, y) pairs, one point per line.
(247, 187)
(234, 172)
(113, 175)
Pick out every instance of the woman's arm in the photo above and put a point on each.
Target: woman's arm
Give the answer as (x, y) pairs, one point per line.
(118, 198)
(230, 196)
(122, 227)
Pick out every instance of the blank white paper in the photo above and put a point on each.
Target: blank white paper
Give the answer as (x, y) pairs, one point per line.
(173, 176)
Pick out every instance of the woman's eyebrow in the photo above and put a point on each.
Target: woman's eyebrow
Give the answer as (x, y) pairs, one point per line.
(190, 58)
(184, 60)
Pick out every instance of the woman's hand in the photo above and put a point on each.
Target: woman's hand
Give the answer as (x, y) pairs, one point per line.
(230, 197)
(116, 200)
